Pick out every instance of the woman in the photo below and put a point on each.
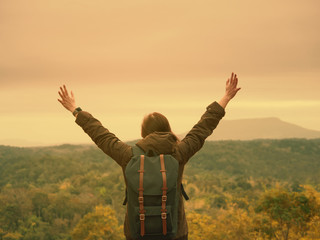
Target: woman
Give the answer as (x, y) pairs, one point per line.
(157, 137)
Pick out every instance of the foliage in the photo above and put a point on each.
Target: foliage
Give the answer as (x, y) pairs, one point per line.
(258, 189)
(102, 224)
(292, 160)
(200, 226)
(289, 214)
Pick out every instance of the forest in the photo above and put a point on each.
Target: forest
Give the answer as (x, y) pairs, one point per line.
(259, 189)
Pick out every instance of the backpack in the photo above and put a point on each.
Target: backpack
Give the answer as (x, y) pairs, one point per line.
(152, 195)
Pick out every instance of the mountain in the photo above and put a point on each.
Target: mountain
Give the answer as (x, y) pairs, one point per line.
(260, 128)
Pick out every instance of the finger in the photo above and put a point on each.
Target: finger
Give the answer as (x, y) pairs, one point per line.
(231, 79)
(61, 95)
(65, 88)
(72, 94)
(236, 82)
(62, 91)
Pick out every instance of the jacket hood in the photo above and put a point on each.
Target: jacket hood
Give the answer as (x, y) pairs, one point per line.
(158, 142)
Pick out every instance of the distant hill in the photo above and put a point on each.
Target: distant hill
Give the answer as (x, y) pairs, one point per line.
(260, 128)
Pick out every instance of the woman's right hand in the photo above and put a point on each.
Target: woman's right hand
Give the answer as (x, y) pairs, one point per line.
(67, 101)
(231, 90)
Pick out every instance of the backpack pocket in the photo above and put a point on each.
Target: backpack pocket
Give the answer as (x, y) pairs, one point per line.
(153, 221)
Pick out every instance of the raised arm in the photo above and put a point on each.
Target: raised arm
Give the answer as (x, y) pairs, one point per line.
(194, 140)
(100, 135)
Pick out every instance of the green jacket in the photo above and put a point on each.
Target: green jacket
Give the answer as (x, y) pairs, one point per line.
(159, 142)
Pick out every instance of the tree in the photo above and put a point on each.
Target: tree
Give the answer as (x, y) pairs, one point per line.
(12, 236)
(234, 223)
(288, 213)
(314, 223)
(98, 225)
(40, 201)
(200, 226)
(11, 215)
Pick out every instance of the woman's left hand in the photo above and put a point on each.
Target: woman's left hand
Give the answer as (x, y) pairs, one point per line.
(67, 101)
(231, 86)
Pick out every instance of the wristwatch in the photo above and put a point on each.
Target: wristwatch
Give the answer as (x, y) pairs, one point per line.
(77, 110)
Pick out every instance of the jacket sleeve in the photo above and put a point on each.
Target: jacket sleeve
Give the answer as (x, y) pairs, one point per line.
(195, 139)
(105, 140)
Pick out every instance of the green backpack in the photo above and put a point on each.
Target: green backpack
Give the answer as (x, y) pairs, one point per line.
(152, 195)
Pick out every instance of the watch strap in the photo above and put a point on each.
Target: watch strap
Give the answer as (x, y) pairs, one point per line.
(77, 110)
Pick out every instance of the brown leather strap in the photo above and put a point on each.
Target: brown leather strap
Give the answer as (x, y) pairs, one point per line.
(140, 198)
(164, 196)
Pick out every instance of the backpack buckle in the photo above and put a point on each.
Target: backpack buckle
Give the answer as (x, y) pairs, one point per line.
(163, 215)
(164, 198)
(142, 217)
(140, 199)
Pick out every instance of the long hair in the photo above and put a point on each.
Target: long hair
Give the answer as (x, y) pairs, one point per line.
(154, 122)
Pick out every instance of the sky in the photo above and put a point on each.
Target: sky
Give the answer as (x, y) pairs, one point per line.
(124, 59)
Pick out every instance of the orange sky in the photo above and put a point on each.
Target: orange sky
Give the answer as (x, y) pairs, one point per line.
(124, 59)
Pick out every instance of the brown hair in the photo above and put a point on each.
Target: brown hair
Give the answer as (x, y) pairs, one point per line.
(154, 122)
